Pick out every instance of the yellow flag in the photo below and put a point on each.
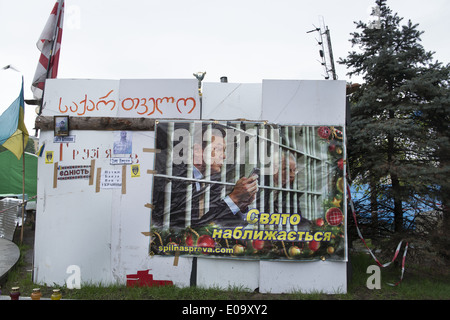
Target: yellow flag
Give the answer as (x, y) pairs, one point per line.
(18, 140)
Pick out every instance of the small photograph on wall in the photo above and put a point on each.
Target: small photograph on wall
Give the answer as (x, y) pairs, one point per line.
(123, 142)
(61, 125)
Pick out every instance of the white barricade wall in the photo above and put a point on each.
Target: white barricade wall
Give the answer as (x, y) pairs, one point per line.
(94, 201)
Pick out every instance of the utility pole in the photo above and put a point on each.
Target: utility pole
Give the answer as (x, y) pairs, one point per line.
(326, 51)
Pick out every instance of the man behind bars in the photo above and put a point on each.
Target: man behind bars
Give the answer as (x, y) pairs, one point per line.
(227, 212)
(287, 182)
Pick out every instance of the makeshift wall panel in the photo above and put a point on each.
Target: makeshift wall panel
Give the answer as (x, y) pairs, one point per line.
(159, 98)
(106, 231)
(229, 101)
(228, 274)
(131, 217)
(73, 222)
(81, 97)
(147, 98)
(303, 102)
(307, 277)
(129, 214)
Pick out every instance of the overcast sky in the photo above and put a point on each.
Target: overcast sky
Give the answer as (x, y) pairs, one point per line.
(245, 40)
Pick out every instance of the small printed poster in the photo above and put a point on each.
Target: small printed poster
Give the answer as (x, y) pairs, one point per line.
(64, 139)
(111, 179)
(74, 172)
(48, 157)
(135, 171)
(122, 161)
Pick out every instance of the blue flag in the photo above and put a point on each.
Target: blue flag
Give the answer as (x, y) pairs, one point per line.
(13, 132)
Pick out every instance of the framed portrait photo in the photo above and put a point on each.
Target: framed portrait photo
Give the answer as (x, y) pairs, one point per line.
(61, 127)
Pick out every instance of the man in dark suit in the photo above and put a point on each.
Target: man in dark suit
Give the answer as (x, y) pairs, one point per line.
(287, 181)
(191, 211)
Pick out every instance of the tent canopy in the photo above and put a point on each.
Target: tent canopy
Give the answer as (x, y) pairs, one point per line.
(11, 174)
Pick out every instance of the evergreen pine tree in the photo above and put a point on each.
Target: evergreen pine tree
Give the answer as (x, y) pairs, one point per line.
(398, 139)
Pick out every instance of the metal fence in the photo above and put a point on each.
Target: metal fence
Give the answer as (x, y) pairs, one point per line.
(10, 216)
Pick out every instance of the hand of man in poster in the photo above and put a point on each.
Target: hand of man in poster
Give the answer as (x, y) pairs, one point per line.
(244, 192)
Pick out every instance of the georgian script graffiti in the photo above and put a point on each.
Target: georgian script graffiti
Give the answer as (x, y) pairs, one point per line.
(137, 106)
(86, 105)
(144, 106)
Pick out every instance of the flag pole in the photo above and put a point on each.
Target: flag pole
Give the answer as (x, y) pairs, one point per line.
(23, 185)
(23, 169)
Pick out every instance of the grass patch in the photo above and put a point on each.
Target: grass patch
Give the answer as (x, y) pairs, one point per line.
(418, 283)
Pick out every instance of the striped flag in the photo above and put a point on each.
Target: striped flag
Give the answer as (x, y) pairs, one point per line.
(13, 132)
(49, 44)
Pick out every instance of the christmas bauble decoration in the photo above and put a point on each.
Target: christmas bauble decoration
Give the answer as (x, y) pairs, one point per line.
(258, 244)
(334, 216)
(189, 241)
(324, 132)
(206, 241)
(294, 251)
(319, 222)
(238, 249)
(340, 184)
(313, 245)
(340, 164)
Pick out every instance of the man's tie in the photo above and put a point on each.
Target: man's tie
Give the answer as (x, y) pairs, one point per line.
(201, 204)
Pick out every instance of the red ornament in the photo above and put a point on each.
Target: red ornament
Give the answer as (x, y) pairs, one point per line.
(258, 244)
(319, 222)
(324, 132)
(340, 164)
(189, 241)
(334, 216)
(314, 245)
(206, 241)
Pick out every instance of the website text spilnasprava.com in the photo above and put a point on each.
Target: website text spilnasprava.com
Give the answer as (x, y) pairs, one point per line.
(188, 249)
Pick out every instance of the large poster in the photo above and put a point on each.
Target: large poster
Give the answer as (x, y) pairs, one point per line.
(248, 190)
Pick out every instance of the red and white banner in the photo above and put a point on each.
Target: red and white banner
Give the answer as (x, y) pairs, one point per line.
(49, 44)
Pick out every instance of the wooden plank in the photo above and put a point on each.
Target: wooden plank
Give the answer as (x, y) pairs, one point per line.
(151, 150)
(98, 177)
(55, 174)
(124, 179)
(91, 175)
(98, 123)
